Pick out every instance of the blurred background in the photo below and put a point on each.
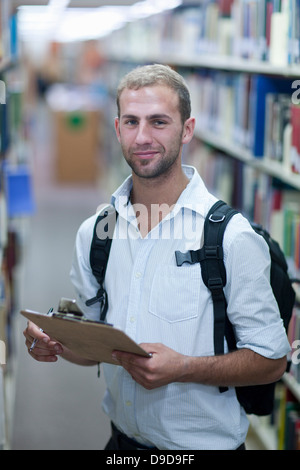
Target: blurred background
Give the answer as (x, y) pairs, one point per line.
(60, 63)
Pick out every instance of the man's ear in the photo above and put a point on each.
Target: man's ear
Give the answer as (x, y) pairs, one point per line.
(188, 130)
(117, 128)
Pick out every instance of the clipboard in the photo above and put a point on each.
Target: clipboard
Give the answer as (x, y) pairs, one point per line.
(89, 339)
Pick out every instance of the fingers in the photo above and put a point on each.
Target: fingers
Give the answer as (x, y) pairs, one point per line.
(32, 332)
(135, 359)
(44, 349)
(164, 367)
(128, 360)
(140, 368)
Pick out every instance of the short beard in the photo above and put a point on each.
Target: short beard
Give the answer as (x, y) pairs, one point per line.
(163, 165)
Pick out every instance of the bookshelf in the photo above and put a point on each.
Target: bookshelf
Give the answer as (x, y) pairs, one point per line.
(216, 62)
(272, 168)
(234, 53)
(16, 203)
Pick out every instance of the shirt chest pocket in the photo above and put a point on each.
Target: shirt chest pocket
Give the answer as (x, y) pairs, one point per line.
(175, 293)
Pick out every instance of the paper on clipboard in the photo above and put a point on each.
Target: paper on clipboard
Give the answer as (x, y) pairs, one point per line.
(91, 340)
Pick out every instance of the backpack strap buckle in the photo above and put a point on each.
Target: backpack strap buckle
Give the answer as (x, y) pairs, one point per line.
(215, 284)
(100, 297)
(215, 218)
(212, 252)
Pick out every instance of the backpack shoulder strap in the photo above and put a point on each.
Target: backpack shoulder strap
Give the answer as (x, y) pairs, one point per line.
(213, 271)
(99, 253)
(212, 266)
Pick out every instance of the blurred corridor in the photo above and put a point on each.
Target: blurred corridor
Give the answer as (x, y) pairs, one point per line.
(58, 406)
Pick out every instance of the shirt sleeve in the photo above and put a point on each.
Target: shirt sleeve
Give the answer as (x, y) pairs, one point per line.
(252, 307)
(82, 278)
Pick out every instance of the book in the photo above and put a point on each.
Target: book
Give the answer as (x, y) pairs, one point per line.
(288, 421)
(295, 142)
(278, 117)
(261, 86)
(3, 435)
(291, 212)
(3, 222)
(4, 128)
(19, 190)
(278, 54)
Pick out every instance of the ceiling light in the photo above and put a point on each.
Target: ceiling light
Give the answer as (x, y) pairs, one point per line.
(90, 23)
(57, 22)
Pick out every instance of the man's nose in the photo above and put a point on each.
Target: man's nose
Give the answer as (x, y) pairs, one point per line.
(143, 135)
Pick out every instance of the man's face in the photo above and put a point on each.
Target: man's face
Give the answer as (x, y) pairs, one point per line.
(150, 129)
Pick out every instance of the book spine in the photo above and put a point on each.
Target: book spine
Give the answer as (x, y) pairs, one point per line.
(295, 144)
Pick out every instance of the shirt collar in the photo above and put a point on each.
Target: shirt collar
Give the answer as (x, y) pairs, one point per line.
(194, 196)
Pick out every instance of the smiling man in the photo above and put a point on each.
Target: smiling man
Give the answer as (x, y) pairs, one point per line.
(152, 126)
(172, 400)
(151, 140)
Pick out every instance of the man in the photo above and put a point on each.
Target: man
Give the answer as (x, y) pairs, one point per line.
(172, 400)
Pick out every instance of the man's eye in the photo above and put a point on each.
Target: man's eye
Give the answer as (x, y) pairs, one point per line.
(131, 122)
(159, 123)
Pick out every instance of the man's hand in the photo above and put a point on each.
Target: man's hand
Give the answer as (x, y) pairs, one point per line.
(237, 368)
(165, 365)
(45, 350)
(48, 350)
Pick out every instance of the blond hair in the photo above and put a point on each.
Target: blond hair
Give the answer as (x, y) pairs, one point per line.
(157, 74)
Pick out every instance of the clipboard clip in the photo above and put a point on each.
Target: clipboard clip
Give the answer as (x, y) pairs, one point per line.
(69, 310)
(76, 317)
(67, 316)
(69, 306)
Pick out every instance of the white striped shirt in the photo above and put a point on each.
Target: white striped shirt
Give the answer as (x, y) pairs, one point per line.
(155, 301)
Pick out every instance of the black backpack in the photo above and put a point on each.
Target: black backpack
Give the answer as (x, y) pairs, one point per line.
(258, 399)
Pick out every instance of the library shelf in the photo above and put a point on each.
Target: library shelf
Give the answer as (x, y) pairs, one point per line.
(228, 64)
(217, 62)
(292, 385)
(265, 165)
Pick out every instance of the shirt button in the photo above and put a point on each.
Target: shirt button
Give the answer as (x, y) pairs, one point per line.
(128, 403)
(138, 275)
(132, 319)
